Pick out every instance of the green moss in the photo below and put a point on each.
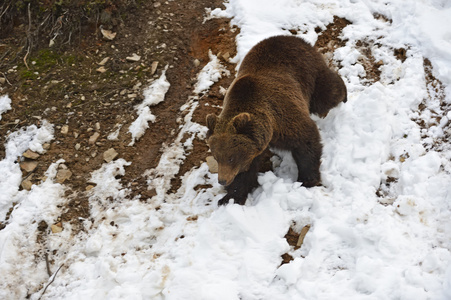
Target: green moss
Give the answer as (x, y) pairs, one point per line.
(28, 75)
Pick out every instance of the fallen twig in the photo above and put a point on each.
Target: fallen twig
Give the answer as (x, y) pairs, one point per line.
(4, 75)
(28, 37)
(54, 275)
(47, 264)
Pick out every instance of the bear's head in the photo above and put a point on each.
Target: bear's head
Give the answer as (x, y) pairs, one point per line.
(233, 144)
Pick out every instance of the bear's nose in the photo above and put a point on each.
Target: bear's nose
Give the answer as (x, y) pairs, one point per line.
(222, 182)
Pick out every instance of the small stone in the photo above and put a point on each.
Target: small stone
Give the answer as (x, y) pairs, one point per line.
(94, 138)
(212, 164)
(108, 34)
(104, 61)
(26, 184)
(30, 154)
(196, 63)
(157, 4)
(89, 187)
(56, 228)
(101, 69)
(137, 86)
(65, 129)
(28, 166)
(154, 67)
(46, 146)
(62, 166)
(226, 56)
(63, 175)
(132, 96)
(109, 155)
(97, 126)
(134, 57)
(2, 80)
(123, 92)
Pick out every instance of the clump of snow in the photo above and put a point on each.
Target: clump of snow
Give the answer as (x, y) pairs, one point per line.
(153, 95)
(5, 104)
(17, 143)
(114, 136)
(210, 74)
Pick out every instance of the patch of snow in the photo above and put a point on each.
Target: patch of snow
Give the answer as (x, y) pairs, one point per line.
(210, 74)
(17, 143)
(5, 104)
(153, 95)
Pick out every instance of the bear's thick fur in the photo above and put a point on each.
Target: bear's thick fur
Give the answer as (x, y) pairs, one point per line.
(279, 83)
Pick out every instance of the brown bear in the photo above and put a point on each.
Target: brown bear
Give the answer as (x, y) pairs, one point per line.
(279, 83)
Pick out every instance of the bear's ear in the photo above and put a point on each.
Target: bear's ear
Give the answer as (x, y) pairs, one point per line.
(211, 123)
(241, 122)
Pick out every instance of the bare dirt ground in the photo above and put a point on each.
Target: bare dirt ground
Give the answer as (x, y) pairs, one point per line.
(71, 86)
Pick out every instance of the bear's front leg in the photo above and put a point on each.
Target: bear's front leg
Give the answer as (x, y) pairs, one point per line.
(307, 155)
(242, 185)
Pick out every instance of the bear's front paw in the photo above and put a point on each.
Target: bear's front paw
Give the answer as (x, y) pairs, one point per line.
(224, 200)
(310, 181)
(236, 199)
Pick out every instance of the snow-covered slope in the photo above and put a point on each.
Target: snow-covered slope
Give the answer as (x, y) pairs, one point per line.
(380, 224)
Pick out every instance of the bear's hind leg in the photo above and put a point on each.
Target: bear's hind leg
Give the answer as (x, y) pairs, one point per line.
(329, 91)
(242, 185)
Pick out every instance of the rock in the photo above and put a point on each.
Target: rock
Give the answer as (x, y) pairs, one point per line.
(135, 57)
(304, 231)
(63, 175)
(108, 34)
(46, 146)
(212, 164)
(56, 228)
(137, 86)
(104, 61)
(77, 147)
(101, 69)
(109, 155)
(28, 166)
(97, 126)
(26, 184)
(226, 56)
(30, 154)
(154, 67)
(196, 63)
(94, 138)
(132, 96)
(65, 129)
(89, 187)
(157, 4)
(2, 80)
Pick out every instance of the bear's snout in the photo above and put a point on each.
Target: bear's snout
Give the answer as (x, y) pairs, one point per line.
(226, 174)
(222, 182)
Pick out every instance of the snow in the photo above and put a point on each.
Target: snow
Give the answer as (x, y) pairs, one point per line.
(5, 104)
(380, 226)
(153, 95)
(210, 74)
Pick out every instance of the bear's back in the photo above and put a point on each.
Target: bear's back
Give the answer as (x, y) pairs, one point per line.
(286, 56)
